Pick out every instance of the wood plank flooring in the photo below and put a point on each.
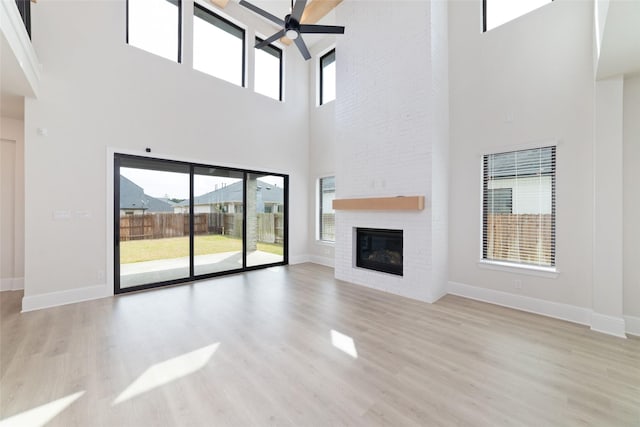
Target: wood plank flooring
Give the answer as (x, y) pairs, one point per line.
(256, 349)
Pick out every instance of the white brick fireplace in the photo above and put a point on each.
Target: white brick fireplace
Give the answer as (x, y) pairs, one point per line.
(392, 137)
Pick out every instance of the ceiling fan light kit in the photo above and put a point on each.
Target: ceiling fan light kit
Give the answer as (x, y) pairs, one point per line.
(291, 26)
(291, 34)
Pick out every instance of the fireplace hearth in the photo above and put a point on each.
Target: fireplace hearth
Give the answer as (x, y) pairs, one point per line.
(379, 250)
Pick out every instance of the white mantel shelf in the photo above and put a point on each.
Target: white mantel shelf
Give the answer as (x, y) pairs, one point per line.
(400, 203)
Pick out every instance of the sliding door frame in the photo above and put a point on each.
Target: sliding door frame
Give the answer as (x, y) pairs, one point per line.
(192, 276)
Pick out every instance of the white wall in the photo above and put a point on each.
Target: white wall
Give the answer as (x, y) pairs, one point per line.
(607, 299)
(526, 81)
(12, 197)
(322, 152)
(631, 211)
(392, 136)
(98, 94)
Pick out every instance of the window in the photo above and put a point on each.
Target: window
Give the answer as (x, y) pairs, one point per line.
(327, 214)
(328, 77)
(218, 46)
(498, 12)
(268, 71)
(24, 7)
(518, 207)
(154, 25)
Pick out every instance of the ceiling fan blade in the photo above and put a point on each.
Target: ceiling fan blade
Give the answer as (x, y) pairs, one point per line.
(302, 47)
(262, 12)
(298, 8)
(321, 29)
(271, 39)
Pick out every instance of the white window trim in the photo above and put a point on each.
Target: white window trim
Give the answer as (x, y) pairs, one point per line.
(514, 267)
(530, 145)
(518, 268)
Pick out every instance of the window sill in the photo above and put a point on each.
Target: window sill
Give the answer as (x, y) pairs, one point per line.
(325, 243)
(530, 270)
(325, 103)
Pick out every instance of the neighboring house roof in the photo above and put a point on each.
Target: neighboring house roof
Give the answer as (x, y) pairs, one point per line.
(329, 184)
(521, 163)
(132, 197)
(233, 194)
(164, 199)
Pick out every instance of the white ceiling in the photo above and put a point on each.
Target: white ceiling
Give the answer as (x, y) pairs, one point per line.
(278, 8)
(620, 50)
(13, 82)
(19, 72)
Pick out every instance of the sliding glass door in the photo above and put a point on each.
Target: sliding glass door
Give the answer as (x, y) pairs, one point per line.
(153, 236)
(265, 219)
(177, 221)
(218, 214)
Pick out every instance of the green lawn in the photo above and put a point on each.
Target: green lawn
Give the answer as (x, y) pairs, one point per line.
(177, 247)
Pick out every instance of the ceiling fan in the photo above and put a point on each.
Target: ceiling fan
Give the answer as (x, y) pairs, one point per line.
(291, 26)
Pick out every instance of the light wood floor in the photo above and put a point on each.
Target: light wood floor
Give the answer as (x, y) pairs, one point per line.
(256, 349)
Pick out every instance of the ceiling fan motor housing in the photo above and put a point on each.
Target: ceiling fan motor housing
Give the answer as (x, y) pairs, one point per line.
(290, 23)
(292, 27)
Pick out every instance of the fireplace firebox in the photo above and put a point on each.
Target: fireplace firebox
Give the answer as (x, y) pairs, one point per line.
(379, 249)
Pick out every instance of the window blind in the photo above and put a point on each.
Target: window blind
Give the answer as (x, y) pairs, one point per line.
(519, 206)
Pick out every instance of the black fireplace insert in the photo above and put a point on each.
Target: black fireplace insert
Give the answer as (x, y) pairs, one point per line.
(379, 249)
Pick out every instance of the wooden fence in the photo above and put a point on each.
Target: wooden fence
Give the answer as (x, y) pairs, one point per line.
(328, 227)
(522, 237)
(163, 225)
(270, 228)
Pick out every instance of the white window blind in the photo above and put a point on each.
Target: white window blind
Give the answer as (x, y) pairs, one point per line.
(519, 207)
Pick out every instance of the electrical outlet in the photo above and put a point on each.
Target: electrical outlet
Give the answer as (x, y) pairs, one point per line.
(100, 276)
(518, 284)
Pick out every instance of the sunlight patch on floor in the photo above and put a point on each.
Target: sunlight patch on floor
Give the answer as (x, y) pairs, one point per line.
(165, 372)
(41, 415)
(344, 342)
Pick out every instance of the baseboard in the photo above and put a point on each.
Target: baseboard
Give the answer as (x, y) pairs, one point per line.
(556, 310)
(12, 284)
(435, 297)
(298, 259)
(54, 299)
(322, 260)
(632, 324)
(606, 324)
